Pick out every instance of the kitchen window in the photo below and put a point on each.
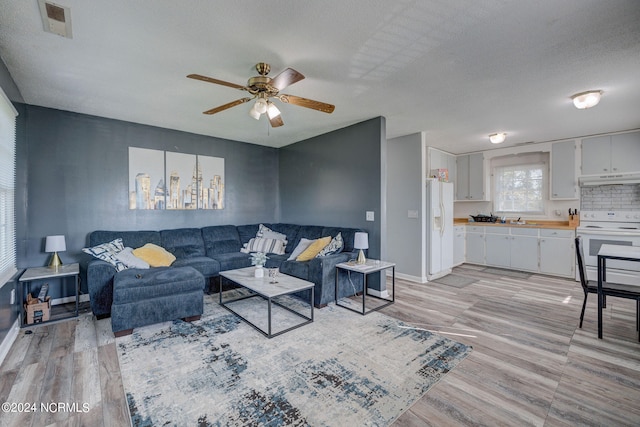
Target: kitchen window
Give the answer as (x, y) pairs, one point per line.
(519, 183)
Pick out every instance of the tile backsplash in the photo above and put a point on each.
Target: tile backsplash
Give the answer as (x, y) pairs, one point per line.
(610, 197)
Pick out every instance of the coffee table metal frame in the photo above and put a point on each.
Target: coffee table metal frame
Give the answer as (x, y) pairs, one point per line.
(371, 266)
(261, 287)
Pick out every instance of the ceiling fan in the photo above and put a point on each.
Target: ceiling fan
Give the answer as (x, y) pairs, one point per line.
(263, 88)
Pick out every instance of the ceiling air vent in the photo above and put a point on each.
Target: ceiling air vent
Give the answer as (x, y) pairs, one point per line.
(55, 18)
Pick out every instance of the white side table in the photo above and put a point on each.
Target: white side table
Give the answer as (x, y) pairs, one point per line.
(40, 273)
(371, 266)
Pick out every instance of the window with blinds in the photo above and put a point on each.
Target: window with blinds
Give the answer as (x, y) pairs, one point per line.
(7, 188)
(519, 183)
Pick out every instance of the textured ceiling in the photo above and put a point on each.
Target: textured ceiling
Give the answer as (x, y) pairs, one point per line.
(455, 69)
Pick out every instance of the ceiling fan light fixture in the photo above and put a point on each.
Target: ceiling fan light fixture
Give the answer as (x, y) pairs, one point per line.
(584, 100)
(272, 110)
(253, 113)
(261, 106)
(497, 138)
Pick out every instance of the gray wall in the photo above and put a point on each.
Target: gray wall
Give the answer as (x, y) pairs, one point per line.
(404, 193)
(333, 179)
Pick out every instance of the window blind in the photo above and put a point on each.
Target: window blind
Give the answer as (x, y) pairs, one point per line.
(7, 189)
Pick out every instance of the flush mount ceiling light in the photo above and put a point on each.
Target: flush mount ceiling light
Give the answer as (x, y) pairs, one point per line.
(497, 138)
(587, 99)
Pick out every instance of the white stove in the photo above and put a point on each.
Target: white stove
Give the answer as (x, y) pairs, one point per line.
(610, 227)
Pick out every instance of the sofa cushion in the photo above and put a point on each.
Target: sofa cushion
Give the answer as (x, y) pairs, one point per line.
(221, 239)
(311, 232)
(136, 285)
(232, 260)
(208, 267)
(132, 239)
(183, 242)
(247, 232)
(154, 255)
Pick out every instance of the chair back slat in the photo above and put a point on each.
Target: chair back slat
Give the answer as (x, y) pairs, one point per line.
(582, 269)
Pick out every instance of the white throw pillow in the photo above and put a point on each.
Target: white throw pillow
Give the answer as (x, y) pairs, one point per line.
(127, 257)
(268, 246)
(302, 246)
(107, 252)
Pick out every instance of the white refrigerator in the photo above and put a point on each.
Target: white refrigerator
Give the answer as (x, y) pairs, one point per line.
(439, 228)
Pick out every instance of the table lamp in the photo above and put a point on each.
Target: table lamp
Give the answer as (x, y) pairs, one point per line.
(361, 241)
(55, 244)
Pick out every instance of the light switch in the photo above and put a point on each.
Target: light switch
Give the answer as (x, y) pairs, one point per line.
(370, 216)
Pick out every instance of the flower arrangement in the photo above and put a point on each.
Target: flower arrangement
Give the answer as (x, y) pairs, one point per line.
(259, 259)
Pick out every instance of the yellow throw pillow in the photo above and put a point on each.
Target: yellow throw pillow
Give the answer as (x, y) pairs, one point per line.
(314, 249)
(154, 255)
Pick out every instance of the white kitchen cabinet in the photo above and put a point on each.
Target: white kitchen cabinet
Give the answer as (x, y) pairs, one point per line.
(442, 160)
(557, 252)
(563, 170)
(459, 244)
(625, 152)
(498, 250)
(475, 245)
(515, 248)
(524, 252)
(470, 177)
(611, 154)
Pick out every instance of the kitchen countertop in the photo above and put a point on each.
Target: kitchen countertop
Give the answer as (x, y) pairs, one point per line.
(562, 225)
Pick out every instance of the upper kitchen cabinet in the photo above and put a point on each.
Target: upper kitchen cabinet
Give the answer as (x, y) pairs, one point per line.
(439, 159)
(611, 154)
(563, 171)
(470, 177)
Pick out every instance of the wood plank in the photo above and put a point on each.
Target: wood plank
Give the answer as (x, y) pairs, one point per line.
(115, 408)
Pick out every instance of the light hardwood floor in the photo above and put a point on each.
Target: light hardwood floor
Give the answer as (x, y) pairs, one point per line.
(531, 365)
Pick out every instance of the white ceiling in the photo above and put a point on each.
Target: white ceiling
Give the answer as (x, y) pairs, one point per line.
(455, 69)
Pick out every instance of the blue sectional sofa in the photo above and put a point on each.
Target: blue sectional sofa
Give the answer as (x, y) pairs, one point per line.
(213, 249)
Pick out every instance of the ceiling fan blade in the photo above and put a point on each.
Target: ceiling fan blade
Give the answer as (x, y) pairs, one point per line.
(307, 103)
(227, 106)
(286, 78)
(216, 81)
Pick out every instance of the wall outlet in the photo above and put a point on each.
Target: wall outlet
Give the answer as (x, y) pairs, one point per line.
(370, 216)
(13, 296)
(412, 214)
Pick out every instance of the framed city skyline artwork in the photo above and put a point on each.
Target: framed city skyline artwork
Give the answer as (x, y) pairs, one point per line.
(169, 180)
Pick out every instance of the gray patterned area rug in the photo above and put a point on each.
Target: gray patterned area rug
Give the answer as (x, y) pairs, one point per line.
(342, 369)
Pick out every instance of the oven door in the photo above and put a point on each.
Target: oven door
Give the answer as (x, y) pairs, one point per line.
(617, 271)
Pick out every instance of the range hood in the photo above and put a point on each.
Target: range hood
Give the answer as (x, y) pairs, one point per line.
(610, 179)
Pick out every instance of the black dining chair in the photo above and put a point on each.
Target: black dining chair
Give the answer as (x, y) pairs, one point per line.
(608, 289)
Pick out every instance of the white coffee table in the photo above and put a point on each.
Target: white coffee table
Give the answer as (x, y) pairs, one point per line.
(262, 288)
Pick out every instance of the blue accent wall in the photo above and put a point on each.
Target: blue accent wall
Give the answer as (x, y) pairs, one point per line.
(334, 178)
(73, 179)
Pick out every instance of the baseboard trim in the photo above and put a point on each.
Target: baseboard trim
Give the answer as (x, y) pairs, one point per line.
(410, 278)
(377, 293)
(8, 341)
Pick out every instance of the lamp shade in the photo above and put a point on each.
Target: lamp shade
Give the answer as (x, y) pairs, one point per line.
(55, 244)
(361, 240)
